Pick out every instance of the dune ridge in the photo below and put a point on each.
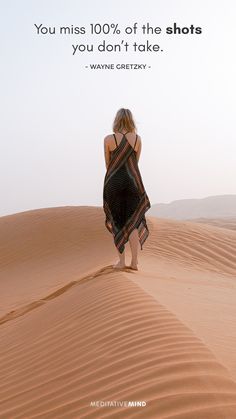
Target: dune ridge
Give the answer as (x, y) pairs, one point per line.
(74, 330)
(25, 309)
(113, 342)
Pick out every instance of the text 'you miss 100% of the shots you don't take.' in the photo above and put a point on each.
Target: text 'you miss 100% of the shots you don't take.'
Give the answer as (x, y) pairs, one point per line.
(98, 29)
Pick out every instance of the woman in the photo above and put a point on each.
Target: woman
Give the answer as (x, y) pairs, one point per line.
(124, 198)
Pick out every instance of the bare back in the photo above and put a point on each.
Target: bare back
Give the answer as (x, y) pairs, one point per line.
(131, 138)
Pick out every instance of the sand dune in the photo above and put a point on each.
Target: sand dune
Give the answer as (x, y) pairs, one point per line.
(225, 222)
(202, 247)
(209, 207)
(74, 331)
(44, 249)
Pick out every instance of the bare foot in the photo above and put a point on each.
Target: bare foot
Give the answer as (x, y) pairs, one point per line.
(119, 265)
(133, 266)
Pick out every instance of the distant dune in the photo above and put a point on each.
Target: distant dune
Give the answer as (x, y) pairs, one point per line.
(74, 330)
(210, 207)
(224, 222)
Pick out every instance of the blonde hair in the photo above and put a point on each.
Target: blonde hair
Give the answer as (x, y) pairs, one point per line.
(124, 120)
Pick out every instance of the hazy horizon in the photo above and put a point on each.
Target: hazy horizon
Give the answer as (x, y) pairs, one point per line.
(56, 113)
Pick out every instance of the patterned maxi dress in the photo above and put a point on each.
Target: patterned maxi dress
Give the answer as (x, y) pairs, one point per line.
(124, 198)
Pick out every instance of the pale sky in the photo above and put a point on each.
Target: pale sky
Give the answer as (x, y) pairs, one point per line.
(55, 113)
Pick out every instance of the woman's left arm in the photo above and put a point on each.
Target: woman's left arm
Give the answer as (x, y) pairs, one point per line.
(106, 151)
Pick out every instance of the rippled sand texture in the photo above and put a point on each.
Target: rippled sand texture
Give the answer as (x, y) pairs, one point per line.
(74, 330)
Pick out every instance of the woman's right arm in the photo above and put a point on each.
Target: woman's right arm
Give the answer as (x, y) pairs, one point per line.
(139, 148)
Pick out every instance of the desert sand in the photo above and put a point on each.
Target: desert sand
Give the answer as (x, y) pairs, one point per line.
(74, 330)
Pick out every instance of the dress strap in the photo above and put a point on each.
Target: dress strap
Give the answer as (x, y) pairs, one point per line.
(135, 141)
(115, 140)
